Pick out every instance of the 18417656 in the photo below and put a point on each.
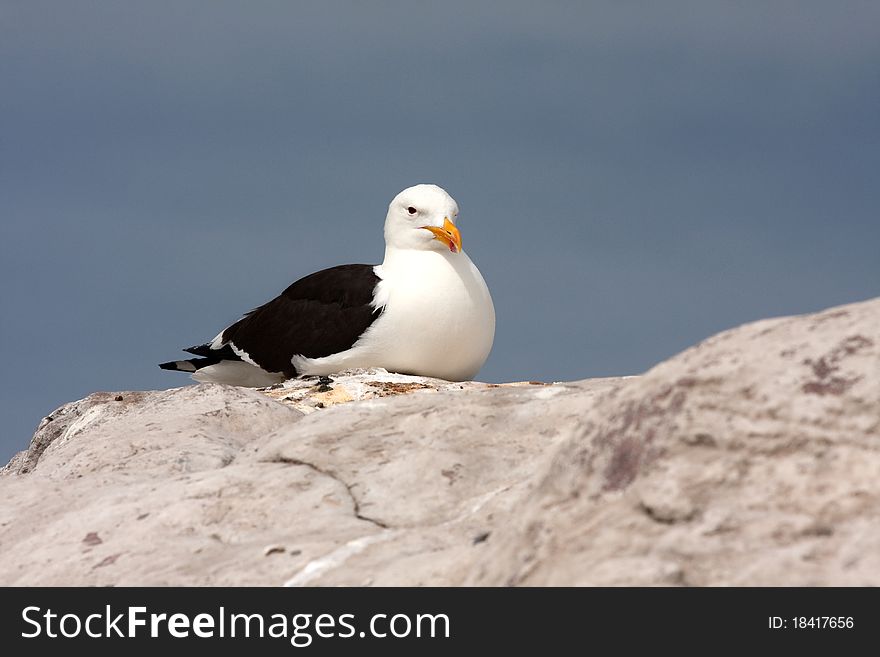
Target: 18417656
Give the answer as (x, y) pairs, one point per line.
(811, 623)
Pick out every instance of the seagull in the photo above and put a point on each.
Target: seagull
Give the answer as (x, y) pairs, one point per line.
(425, 311)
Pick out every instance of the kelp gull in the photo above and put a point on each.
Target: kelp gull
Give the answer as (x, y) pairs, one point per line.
(426, 310)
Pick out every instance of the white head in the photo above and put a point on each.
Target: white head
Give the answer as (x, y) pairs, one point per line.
(423, 217)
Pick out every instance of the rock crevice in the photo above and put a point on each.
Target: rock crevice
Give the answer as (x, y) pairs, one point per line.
(355, 503)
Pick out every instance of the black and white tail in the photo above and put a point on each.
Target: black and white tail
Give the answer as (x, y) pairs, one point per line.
(208, 357)
(222, 365)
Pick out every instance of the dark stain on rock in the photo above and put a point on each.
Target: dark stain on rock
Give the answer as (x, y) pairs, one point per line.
(481, 537)
(677, 401)
(92, 538)
(818, 529)
(821, 368)
(702, 439)
(106, 561)
(855, 343)
(453, 473)
(663, 394)
(634, 432)
(391, 388)
(834, 386)
(624, 465)
(826, 369)
(666, 516)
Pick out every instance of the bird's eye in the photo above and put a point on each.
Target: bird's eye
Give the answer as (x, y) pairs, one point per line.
(411, 210)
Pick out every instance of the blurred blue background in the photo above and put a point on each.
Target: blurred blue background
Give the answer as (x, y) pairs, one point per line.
(633, 177)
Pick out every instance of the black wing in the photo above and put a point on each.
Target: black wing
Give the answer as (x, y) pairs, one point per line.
(319, 315)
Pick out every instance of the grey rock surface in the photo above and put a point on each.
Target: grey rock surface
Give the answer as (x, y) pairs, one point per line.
(751, 458)
(213, 484)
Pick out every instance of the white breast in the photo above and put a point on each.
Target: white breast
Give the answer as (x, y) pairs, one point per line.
(438, 319)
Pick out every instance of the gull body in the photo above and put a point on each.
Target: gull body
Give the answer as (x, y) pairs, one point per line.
(426, 310)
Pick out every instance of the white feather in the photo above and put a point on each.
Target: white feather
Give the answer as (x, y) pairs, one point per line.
(237, 373)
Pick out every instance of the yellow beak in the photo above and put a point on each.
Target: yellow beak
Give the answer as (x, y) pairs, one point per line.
(449, 234)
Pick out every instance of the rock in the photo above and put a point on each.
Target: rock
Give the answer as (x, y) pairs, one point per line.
(751, 458)
(213, 484)
(146, 431)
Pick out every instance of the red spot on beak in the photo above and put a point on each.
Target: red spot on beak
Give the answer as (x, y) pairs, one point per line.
(448, 234)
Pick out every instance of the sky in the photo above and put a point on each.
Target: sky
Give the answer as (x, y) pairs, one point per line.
(633, 177)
